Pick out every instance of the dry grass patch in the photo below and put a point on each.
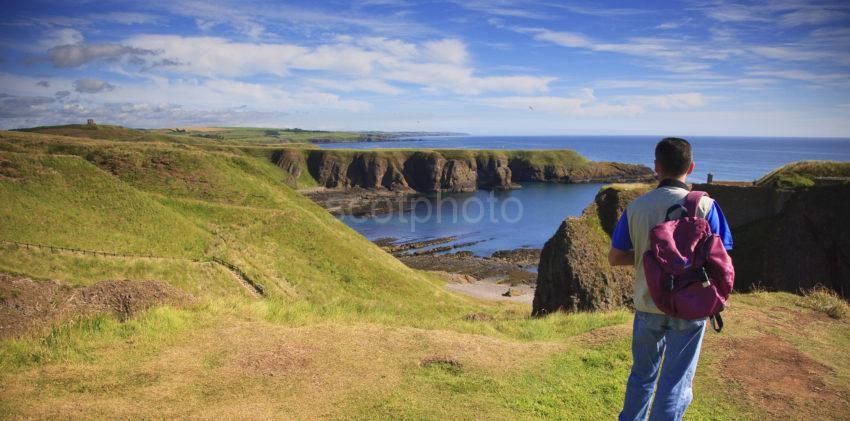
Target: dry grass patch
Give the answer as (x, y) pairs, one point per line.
(28, 305)
(825, 301)
(304, 372)
(781, 380)
(603, 335)
(443, 362)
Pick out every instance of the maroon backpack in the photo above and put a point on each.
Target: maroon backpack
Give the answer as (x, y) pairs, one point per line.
(688, 271)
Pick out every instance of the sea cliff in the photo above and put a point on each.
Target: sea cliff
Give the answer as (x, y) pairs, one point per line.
(450, 170)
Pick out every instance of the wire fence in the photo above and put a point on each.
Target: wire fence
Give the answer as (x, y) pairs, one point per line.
(93, 252)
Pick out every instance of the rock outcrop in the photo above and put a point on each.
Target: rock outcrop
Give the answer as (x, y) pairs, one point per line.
(596, 172)
(805, 243)
(573, 273)
(292, 162)
(451, 171)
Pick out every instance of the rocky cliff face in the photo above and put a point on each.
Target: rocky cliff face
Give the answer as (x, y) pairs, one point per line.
(292, 162)
(573, 273)
(596, 172)
(430, 171)
(805, 244)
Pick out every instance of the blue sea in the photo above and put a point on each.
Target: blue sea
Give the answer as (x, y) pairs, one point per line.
(532, 214)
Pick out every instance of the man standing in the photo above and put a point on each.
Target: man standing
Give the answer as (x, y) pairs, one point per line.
(665, 349)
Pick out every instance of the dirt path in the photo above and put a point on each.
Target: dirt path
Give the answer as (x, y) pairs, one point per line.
(783, 380)
(254, 289)
(491, 290)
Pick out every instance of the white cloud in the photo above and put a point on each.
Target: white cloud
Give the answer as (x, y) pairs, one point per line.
(673, 84)
(735, 13)
(811, 17)
(59, 37)
(588, 105)
(665, 48)
(15, 106)
(785, 13)
(672, 24)
(801, 53)
(202, 99)
(125, 18)
(437, 65)
(447, 50)
(79, 54)
(670, 54)
(353, 85)
(92, 86)
(805, 75)
(542, 10)
(256, 18)
(669, 101)
(212, 56)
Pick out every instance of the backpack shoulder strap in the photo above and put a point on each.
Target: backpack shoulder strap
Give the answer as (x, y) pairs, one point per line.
(692, 202)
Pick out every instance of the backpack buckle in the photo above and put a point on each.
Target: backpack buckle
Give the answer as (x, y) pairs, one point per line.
(706, 282)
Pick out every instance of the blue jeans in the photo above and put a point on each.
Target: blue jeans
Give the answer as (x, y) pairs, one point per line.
(678, 341)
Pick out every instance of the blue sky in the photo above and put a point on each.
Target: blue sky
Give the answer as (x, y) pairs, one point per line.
(776, 68)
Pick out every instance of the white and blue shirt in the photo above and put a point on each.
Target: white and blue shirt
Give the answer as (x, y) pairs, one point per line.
(649, 210)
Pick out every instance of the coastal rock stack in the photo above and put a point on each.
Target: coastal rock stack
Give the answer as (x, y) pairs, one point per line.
(573, 273)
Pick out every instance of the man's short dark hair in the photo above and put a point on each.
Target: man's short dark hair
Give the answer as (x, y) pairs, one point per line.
(673, 156)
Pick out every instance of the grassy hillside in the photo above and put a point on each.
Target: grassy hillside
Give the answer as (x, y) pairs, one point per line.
(344, 330)
(101, 131)
(803, 173)
(66, 201)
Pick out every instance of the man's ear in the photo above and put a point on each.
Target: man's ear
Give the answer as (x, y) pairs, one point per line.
(691, 168)
(657, 168)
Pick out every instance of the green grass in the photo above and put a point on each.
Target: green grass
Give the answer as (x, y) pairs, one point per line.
(226, 135)
(65, 201)
(202, 279)
(826, 301)
(343, 327)
(802, 173)
(105, 132)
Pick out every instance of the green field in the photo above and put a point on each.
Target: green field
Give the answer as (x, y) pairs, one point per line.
(199, 135)
(258, 135)
(343, 328)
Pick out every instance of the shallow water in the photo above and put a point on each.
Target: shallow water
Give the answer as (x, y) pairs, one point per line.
(529, 216)
(498, 220)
